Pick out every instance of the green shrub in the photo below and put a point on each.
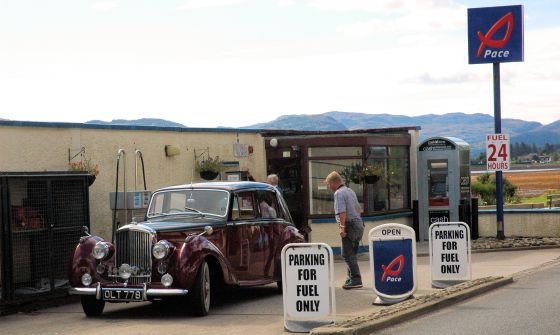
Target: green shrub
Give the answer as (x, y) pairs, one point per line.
(485, 188)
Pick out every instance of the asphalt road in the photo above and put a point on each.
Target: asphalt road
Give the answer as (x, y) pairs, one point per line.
(528, 306)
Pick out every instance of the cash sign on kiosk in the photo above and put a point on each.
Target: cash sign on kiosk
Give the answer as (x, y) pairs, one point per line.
(450, 253)
(307, 284)
(392, 249)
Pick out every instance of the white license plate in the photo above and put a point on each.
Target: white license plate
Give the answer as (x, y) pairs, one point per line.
(122, 294)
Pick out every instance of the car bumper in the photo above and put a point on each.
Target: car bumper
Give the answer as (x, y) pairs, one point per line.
(147, 292)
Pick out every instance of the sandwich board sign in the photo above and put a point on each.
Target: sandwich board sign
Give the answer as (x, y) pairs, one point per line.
(450, 253)
(307, 285)
(392, 254)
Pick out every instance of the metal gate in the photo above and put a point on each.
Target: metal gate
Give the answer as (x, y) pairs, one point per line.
(42, 217)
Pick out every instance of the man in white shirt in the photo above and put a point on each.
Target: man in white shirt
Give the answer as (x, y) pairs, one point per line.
(347, 211)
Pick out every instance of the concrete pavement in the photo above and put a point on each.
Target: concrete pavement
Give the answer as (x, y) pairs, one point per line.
(490, 269)
(259, 310)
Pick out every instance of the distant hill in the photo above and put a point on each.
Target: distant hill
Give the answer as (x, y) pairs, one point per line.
(470, 127)
(302, 122)
(549, 133)
(138, 122)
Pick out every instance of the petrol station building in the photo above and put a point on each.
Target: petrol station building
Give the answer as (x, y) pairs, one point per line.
(302, 159)
(35, 183)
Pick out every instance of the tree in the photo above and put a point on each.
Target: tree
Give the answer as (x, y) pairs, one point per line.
(485, 188)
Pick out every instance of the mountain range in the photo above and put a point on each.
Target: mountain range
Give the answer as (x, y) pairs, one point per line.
(470, 127)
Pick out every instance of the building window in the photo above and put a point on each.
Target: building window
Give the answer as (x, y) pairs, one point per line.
(377, 199)
(384, 188)
(322, 201)
(398, 183)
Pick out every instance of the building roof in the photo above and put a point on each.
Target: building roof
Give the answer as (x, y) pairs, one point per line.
(281, 132)
(264, 132)
(122, 127)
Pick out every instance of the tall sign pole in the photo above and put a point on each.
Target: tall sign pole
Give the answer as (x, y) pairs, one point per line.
(498, 130)
(495, 35)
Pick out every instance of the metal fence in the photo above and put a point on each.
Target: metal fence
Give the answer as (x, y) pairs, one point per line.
(41, 221)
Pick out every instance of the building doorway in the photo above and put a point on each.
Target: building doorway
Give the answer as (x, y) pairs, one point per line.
(291, 184)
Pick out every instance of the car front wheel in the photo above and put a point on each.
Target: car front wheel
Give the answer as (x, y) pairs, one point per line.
(92, 306)
(200, 295)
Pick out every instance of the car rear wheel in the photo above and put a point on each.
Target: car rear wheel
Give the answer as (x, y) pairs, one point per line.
(279, 287)
(92, 306)
(200, 295)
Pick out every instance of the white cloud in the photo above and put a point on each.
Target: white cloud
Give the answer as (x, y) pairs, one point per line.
(285, 3)
(103, 5)
(384, 7)
(196, 4)
(432, 21)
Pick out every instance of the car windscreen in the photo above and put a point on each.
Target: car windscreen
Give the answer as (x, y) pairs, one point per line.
(195, 201)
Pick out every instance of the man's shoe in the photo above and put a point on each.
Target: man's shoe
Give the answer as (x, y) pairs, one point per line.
(350, 285)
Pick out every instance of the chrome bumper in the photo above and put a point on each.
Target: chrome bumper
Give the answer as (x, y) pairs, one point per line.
(147, 292)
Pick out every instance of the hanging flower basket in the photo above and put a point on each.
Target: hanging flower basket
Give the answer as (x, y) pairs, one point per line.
(85, 165)
(352, 173)
(209, 168)
(208, 174)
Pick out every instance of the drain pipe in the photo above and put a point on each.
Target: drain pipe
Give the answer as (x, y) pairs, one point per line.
(138, 153)
(120, 154)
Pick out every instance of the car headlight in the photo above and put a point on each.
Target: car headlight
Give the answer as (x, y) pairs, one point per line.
(86, 279)
(167, 280)
(162, 249)
(101, 250)
(125, 271)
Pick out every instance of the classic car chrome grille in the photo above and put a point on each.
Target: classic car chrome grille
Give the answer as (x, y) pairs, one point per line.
(135, 249)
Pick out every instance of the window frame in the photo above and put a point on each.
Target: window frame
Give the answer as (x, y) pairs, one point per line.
(402, 154)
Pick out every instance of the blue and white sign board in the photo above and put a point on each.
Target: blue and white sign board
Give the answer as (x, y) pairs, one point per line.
(495, 34)
(392, 255)
(450, 253)
(308, 286)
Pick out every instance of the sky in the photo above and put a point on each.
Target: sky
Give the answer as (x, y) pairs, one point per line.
(233, 63)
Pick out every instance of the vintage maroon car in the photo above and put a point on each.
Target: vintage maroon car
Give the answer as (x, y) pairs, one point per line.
(195, 238)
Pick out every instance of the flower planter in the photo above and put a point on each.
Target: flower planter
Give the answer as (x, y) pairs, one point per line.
(208, 174)
(91, 179)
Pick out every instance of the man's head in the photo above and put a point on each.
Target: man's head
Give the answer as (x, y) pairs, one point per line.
(333, 180)
(272, 179)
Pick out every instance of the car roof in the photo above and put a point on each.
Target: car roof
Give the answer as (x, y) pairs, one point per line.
(223, 185)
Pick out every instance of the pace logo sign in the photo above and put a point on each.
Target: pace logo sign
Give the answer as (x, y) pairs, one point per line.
(495, 34)
(393, 262)
(393, 270)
